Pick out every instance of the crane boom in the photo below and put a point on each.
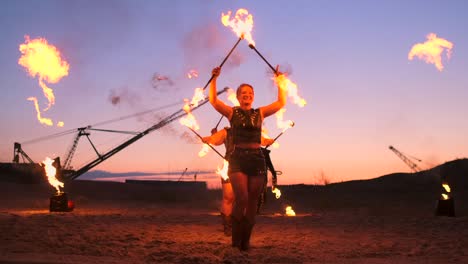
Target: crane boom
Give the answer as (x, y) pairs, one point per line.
(71, 175)
(408, 162)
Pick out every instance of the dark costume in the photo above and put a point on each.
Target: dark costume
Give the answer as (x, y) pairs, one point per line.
(246, 127)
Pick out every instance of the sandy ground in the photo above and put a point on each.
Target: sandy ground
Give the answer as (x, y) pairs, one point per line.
(163, 230)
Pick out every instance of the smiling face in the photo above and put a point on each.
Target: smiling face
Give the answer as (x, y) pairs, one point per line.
(245, 96)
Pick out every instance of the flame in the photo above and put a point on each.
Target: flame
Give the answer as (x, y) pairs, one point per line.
(277, 192)
(431, 50)
(205, 149)
(42, 120)
(280, 123)
(241, 24)
(290, 211)
(445, 196)
(51, 172)
(43, 60)
(265, 135)
(285, 84)
(232, 97)
(189, 120)
(60, 124)
(446, 187)
(192, 74)
(223, 171)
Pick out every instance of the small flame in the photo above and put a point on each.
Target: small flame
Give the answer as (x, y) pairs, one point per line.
(445, 196)
(266, 136)
(45, 61)
(431, 50)
(192, 74)
(290, 211)
(277, 192)
(285, 84)
(232, 97)
(51, 171)
(205, 149)
(60, 124)
(280, 123)
(42, 120)
(446, 187)
(241, 24)
(189, 120)
(223, 171)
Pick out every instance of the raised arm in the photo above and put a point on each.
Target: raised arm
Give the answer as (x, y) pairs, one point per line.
(219, 105)
(279, 103)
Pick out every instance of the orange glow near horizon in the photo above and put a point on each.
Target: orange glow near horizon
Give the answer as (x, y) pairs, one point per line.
(431, 50)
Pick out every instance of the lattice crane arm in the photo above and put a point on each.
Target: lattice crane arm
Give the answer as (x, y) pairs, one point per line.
(408, 162)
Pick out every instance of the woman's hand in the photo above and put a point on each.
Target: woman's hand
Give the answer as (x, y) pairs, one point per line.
(216, 72)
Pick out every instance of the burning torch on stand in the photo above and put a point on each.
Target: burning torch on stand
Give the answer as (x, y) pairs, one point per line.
(59, 201)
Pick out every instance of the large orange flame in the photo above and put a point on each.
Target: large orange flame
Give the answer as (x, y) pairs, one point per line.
(241, 24)
(43, 60)
(431, 50)
(51, 171)
(284, 83)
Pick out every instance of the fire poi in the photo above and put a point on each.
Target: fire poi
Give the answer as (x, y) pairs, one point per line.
(43, 60)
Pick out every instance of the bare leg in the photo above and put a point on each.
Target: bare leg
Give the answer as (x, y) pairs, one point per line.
(239, 182)
(255, 187)
(228, 199)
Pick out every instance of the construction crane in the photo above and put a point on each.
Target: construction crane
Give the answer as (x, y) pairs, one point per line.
(19, 151)
(408, 162)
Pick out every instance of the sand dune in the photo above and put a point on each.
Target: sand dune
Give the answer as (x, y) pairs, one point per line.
(385, 220)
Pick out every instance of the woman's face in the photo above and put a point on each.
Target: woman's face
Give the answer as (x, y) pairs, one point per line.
(245, 96)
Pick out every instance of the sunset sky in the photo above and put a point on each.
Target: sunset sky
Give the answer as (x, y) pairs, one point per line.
(348, 58)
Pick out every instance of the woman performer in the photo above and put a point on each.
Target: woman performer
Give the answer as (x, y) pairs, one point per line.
(224, 137)
(247, 167)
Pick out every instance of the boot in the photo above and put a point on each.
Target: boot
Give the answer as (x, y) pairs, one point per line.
(227, 224)
(236, 232)
(246, 232)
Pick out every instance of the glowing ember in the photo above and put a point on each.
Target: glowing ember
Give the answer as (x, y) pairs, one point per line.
(241, 24)
(284, 83)
(431, 50)
(51, 172)
(205, 149)
(277, 192)
(290, 211)
(42, 120)
(43, 60)
(192, 74)
(446, 187)
(223, 171)
(232, 97)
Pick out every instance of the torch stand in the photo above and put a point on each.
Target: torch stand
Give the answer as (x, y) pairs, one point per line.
(59, 203)
(445, 207)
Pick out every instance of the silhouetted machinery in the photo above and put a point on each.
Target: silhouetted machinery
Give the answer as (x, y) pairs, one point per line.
(445, 204)
(60, 201)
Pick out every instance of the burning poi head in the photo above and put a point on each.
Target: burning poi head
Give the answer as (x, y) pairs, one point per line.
(45, 62)
(241, 24)
(431, 50)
